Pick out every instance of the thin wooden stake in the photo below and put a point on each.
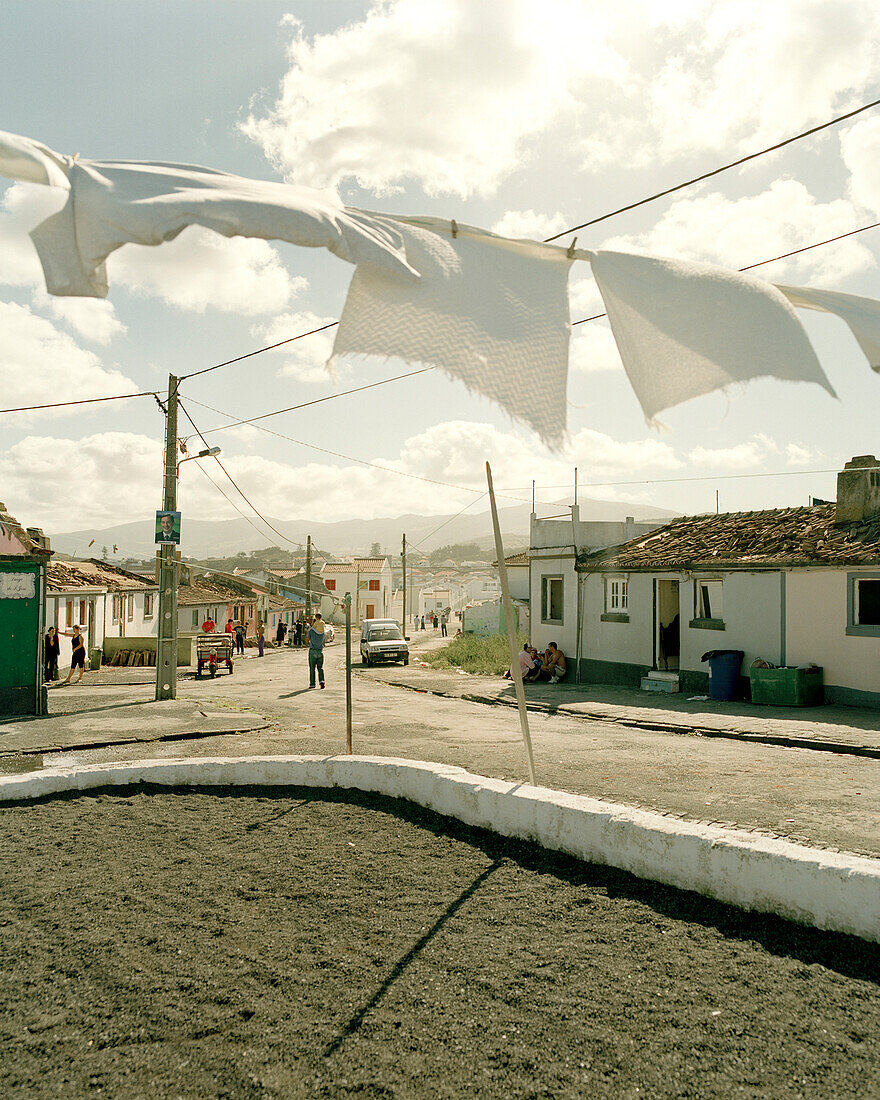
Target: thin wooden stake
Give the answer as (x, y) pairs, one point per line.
(511, 631)
(348, 672)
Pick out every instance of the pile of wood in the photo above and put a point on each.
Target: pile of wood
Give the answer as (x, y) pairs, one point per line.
(132, 658)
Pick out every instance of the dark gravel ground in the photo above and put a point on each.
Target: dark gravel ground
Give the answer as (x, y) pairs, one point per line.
(256, 943)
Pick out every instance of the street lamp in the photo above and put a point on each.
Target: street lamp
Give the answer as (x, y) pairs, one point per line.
(209, 452)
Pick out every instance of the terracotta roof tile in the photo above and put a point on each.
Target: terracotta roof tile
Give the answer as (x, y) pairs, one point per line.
(778, 536)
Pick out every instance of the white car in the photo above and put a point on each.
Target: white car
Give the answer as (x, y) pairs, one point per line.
(383, 640)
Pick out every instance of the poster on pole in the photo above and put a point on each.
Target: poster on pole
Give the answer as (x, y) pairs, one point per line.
(168, 527)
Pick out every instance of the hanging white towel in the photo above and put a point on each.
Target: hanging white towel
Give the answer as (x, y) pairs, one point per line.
(112, 204)
(490, 311)
(861, 314)
(684, 329)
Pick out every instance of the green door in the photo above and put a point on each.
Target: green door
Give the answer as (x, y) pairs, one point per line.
(20, 627)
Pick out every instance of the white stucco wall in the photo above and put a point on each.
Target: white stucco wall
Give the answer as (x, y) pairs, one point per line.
(816, 630)
(564, 633)
(752, 620)
(627, 643)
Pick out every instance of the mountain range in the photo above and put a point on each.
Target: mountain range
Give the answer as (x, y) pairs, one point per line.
(224, 538)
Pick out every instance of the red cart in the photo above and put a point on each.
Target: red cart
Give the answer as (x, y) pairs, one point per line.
(211, 651)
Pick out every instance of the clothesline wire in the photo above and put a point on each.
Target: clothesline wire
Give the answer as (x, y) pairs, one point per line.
(320, 400)
(716, 171)
(700, 477)
(381, 381)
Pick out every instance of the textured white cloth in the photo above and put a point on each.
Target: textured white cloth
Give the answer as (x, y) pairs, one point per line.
(861, 314)
(112, 204)
(488, 310)
(684, 329)
(32, 162)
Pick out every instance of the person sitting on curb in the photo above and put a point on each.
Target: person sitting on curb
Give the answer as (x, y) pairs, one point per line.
(526, 663)
(554, 664)
(534, 672)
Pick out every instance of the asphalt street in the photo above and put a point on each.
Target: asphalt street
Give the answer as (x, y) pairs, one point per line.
(640, 754)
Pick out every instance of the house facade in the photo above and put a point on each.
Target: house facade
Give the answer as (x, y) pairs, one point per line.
(104, 600)
(554, 592)
(367, 580)
(790, 586)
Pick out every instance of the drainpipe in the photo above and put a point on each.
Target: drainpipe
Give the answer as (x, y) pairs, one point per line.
(580, 622)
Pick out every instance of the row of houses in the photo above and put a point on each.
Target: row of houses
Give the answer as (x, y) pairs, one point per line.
(791, 586)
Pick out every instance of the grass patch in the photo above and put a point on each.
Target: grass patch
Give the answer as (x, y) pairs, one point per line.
(485, 656)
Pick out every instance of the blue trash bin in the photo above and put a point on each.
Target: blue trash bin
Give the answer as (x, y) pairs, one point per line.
(724, 667)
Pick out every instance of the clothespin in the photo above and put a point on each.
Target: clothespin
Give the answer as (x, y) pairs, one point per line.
(454, 227)
(570, 252)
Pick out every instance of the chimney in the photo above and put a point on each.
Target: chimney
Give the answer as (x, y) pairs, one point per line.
(36, 535)
(858, 490)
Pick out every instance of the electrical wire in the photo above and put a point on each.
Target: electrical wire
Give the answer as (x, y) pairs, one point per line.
(716, 171)
(259, 351)
(82, 401)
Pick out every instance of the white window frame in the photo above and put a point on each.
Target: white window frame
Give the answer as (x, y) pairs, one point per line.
(148, 605)
(853, 626)
(617, 595)
(547, 580)
(116, 607)
(716, 613)
(129, 609)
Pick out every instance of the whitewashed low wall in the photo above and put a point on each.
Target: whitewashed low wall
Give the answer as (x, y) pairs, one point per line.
(830, 890)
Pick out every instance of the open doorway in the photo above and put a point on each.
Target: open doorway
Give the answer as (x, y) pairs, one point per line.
(667, 631)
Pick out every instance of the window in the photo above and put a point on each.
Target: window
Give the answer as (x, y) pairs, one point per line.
(195, 620)
(374, 586)
(129, 611)
(117, 608)
(331, 585)
(551, 599)
(617, 595)
(708, 605)
(863, 604)
(83, 612)
(68, 612)
(250, 610)
(148, 605)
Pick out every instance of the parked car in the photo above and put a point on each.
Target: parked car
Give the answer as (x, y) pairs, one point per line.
(383, 640)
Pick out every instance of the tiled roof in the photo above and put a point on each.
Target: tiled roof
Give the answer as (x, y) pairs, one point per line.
(778, 536)
(515, 559)
(359, 565)
(101, 574)
(11, 527)
(211, 592)
(63, 576)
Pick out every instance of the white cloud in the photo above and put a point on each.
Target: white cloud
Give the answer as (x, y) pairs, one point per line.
(201, 269)
(584, 296)
(118, 473)
(737, 232)
(40, 364)
(99, 480)
(304, 360)
(92, 318)
(732, 76)
(751, 455)
(529, 225)
(593, 349)
(442, 92)
(860, 146)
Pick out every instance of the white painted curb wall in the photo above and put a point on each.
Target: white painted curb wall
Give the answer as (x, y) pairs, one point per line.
(831, 890)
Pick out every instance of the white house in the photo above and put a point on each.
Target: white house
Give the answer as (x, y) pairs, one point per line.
(105, 600)
(367, 580)
(553, 587)
(789, 585)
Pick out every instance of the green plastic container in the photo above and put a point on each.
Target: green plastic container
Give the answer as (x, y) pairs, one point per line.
(95, 656)
(787, 687)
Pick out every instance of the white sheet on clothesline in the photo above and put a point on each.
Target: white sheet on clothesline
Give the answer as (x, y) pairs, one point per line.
(684, 329)
(862, 315)
(490, 311)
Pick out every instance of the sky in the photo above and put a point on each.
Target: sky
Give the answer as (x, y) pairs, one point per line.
(522, 116)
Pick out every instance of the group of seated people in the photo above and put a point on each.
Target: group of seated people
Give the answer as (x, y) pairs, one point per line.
(549, 665)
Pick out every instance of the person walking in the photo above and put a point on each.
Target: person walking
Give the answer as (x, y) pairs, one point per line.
(239, 638)
(78, 654)
(280, 632)
(316, 651)
(51, 653)
(444, 619)
(423, 622)
(261, 637)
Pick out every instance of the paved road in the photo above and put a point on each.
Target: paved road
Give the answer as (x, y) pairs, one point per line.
(822, 798)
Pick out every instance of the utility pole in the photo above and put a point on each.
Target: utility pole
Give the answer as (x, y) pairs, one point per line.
(403, 562)
(357, 596)
(166, 647)
(308, 577)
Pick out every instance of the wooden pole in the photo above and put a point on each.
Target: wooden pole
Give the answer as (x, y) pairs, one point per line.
(511, 631)
(348, 672)
(403, 562)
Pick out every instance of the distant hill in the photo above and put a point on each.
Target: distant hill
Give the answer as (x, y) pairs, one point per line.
(222, 538)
